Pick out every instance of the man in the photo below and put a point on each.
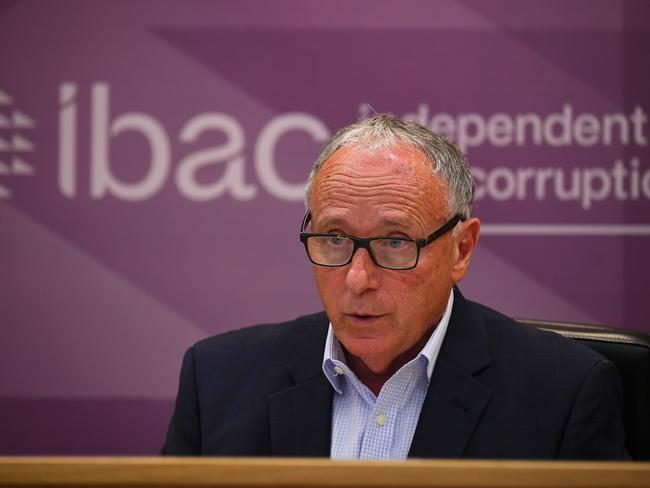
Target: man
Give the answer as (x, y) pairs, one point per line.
(400, 364)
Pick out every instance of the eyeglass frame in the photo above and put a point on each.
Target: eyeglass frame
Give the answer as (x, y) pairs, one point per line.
(364, 242)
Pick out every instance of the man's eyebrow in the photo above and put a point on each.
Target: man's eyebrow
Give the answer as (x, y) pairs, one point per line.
(330, 221)
(396, 222)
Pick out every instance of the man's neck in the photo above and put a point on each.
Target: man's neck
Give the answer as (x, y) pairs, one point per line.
(374, 373)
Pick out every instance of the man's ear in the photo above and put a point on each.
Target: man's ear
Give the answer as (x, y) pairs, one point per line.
(465, 242)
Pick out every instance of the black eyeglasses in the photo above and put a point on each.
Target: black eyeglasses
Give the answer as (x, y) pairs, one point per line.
(399, 253)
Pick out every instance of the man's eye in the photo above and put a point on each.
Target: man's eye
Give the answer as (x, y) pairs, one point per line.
(335, 240)
(396, 243)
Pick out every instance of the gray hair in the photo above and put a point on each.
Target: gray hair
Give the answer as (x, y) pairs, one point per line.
(381, 131)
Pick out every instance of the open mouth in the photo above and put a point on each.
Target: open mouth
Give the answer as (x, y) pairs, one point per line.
(364, 319)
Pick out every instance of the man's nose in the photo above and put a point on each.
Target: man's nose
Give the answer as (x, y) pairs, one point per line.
(362, 274)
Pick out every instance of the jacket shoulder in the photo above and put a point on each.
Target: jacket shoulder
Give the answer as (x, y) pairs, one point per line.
(509, 337)
(550, 396)
(270, 341)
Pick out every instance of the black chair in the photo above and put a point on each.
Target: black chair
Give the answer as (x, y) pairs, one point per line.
(630, 351)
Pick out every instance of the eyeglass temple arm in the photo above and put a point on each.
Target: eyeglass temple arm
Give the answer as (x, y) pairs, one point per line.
(445, 228)
(305, 221)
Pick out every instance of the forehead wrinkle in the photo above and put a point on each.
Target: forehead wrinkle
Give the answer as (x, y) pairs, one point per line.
(396, 177)
(370, 187)
(399, 214)
(389, 194)
(403, 197)
(416, 203)
(395, 201)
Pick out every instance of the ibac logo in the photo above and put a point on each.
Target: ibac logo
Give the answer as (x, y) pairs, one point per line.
(103, 129)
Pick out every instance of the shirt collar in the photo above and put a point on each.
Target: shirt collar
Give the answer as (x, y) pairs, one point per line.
(333, 357)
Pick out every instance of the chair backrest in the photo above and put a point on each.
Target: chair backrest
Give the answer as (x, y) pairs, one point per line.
(630, 351)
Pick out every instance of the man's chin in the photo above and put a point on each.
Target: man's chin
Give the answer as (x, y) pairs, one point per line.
(365, 347)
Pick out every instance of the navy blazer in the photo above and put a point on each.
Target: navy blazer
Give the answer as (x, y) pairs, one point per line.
(498, 390)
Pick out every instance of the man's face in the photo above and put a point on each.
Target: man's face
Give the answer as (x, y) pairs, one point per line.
(382, 315)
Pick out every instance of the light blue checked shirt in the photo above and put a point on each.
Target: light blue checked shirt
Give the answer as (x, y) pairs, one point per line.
(365, 426)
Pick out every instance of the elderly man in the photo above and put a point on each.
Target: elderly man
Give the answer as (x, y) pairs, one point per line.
(400, 364)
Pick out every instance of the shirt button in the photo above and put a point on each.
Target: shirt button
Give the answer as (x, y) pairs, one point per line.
(338, 370)
(381, 420)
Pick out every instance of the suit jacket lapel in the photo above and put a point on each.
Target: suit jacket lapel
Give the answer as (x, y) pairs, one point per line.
(300, 416)
(455, 399)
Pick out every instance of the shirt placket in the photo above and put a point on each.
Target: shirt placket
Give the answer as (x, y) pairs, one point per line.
(381, 426)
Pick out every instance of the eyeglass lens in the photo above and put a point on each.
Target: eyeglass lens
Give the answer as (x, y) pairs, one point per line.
(338, 250)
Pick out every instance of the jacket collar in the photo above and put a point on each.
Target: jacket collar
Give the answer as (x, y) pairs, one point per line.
(455, 398)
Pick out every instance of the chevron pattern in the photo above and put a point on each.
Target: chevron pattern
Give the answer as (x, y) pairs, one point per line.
(15, 145)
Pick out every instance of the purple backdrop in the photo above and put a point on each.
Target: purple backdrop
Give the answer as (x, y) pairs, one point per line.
(145, 147)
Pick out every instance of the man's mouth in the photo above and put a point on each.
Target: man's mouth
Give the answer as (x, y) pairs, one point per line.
(364, 318)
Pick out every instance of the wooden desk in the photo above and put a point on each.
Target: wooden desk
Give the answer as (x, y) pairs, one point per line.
(313, 473)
